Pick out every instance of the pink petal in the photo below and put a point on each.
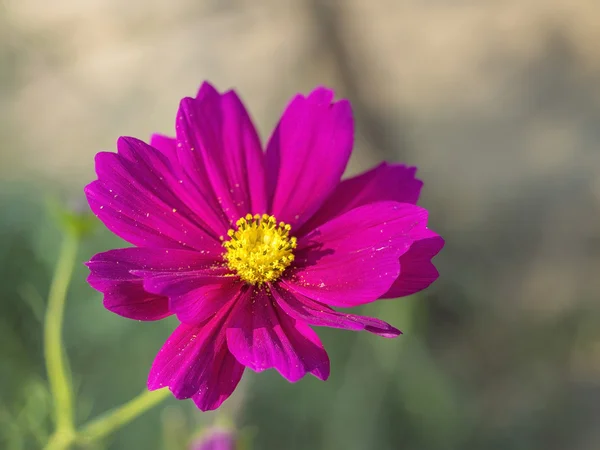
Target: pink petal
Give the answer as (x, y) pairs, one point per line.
(166, 145)
(386, 182)
(261, 336)
(309, 311)
(124, 293)
(417, 271)
(201, 303)
(307, 155)
(354, 258)
(196, 295)
(225, 380)
(139, 198)
(195, 362)
(159, 260)
(118, 274)
(196, 284)
(219, 143)
(186, 278)
(156, 171)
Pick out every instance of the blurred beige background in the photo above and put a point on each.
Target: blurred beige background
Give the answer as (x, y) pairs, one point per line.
(497, 102)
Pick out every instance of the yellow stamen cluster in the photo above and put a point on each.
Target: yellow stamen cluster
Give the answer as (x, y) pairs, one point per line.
(260, 249)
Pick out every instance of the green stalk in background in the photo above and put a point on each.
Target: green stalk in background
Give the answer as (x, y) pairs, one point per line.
(122, 415)
(59, 377)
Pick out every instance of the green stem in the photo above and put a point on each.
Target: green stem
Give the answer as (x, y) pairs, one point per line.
(58, 376)
(115, 419)
(109, 422)
(60, 441)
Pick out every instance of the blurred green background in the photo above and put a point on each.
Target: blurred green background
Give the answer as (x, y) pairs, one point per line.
(497, 102)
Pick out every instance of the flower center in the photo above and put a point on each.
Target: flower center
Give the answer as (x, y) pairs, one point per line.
(260, 249)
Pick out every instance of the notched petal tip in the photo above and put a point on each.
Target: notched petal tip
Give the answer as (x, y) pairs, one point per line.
(307, 154)
(321, 95)
(262, 336)
(417, 271)
(221, 150)
(206, 89)
(195, 363)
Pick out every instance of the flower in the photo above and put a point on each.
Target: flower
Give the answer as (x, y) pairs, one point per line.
(215, 439)
(249, 249)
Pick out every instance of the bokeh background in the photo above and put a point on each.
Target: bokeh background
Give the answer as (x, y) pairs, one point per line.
(496, 102)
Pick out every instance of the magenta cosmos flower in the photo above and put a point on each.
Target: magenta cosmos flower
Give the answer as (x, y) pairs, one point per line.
(249, 249)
